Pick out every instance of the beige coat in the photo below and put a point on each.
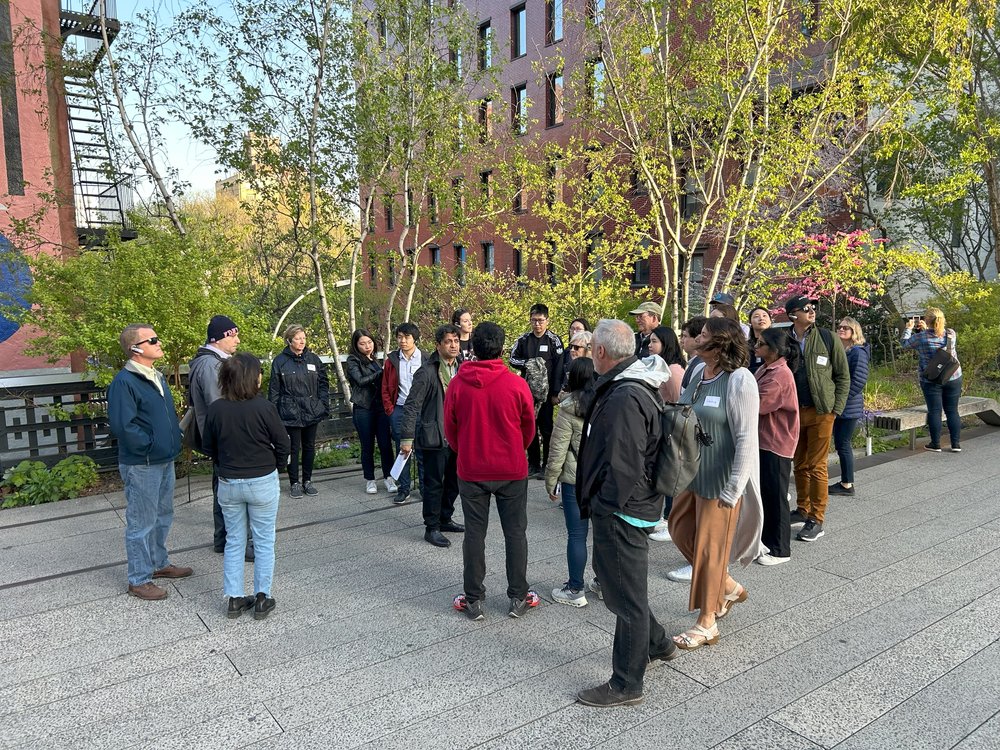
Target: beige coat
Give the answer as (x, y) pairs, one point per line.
(564, 445)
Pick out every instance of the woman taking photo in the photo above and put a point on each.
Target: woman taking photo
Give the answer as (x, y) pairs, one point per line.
(300, 390)
(778, 433)
(845, 425)
(931, 335)
(370, 421)
(560, 478)
(249, 445)
(718, 518)
(462, 319)
(760, 320)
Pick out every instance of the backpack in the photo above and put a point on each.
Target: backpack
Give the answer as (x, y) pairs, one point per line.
(537, 375)
(190, 434)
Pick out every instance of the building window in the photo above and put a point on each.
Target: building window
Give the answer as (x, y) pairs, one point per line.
(518, 263)
(389, 222)
(458, 194)
(372, 270)
(690, 198)
(553, 21)
(595, 262)
(696, 281)
(489, 260)
(597, 83)
(455, 58)
(554, 179)
(639, 186)
(518, 32)
(383, 31)
(595, 10)
(810, 17)
(518, 203)
(640, 272)
(485, 46)
(432, 207)
(411, 213)
(519, 109)
(554, 99)
(486, 183)
(460, 265)
(485, 119)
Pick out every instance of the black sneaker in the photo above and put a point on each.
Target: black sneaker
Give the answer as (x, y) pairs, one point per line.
(932, 448)
(605, 696)
(535, 472)
(838, 489)
(262, 606)
(401, 498)
(671, 653)
(296, 489)
(518, 607)
(472, 610)
(812, 531)
(238, 605)
(309, 489)
(796, 517)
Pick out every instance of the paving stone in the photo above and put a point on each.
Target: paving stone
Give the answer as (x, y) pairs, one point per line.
(767, 734)
(986, 737)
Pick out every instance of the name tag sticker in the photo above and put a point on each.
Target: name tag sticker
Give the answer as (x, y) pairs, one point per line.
(712, 401)
(543, 348)
(821, 360)
(311, 368)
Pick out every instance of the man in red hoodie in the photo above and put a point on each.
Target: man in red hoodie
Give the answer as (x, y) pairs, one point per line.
(489, 420)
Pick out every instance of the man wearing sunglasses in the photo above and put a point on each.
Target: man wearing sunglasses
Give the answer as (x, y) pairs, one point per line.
(822, 382)
(143, 419)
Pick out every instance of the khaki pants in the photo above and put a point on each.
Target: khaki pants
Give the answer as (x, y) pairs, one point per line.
(703, 531)
(811, 453)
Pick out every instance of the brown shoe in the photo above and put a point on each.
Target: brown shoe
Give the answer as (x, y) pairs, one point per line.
(149, 592)
(173, 571)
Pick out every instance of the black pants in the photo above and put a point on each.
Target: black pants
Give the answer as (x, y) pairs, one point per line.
(304, 437)
(538, 451)
(219, 537)
(774, 476)
(440, 488)
(373, 426)
(621, 562)
(512, 507)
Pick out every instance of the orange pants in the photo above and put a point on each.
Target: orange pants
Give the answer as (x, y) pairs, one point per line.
(811, 453)
(703, 531)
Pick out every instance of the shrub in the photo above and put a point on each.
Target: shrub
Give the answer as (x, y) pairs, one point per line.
(33, 483)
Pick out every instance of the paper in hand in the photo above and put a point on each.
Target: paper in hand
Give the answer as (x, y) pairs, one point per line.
(398, 466)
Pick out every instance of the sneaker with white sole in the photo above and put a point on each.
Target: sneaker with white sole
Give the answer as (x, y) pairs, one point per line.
(569, 597)
(681, 575)
(812, 531)
(661, 532)
(595, 588)
(371, 487)
(390, 485)
(767, 559)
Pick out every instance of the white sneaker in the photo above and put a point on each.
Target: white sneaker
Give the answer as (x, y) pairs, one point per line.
(566, 595)
(390, 485)
(660, 533)
(767, 559)
(681, 575)
(371, 487)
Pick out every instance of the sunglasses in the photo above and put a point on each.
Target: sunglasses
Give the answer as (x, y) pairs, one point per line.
(153, 340)
(577, 348)
(808, 308)
(843, 328)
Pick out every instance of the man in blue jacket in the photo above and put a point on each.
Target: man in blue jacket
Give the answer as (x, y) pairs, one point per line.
(143, 419)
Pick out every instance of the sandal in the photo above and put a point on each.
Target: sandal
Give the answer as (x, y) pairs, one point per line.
(739, 595)
(696, 637)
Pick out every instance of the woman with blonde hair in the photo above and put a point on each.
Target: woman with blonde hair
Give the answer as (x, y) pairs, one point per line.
(846, 424)
(930, 336)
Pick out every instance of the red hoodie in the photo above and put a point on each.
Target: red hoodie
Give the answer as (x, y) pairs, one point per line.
(489, 420)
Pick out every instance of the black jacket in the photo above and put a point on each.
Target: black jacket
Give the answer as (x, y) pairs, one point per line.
(299, 388)
(618, 450)
(549, 347)
(423, 412)
(245, 438)
(365, 376)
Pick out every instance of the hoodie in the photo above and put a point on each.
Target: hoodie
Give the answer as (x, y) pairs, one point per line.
(489, 421)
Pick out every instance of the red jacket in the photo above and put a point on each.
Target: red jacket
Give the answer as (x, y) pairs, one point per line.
(489, 421)
(778, 427)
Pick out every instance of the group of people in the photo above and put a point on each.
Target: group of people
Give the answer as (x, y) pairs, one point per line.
(769, 401)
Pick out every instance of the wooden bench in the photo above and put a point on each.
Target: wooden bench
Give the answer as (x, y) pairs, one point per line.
(913, 417)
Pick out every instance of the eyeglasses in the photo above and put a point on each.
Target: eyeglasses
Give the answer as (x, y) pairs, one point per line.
(538, 321)
(152, 340)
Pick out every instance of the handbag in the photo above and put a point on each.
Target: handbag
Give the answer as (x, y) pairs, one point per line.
(941, 366)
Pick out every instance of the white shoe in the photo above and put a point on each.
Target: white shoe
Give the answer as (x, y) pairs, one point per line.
(371, 487)
(661, 532)
(767, 559)
(390, 485)
(681, 575)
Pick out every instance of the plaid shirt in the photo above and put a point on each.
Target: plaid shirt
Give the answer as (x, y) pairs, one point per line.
(927, 344)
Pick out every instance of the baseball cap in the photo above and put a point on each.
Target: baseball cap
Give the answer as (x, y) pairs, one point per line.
(798, 302)
(721, 298)
(647, 307)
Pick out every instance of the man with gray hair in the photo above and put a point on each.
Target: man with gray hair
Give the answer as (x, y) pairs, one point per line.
(614, 484)
(143, 419)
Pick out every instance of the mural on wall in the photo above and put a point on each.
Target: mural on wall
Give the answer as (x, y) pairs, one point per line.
(15, 283)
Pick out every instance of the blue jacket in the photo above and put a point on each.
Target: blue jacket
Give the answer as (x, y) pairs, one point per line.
(144, 422)
(857, 362)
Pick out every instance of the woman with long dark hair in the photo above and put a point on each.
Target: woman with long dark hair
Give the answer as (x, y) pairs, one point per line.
(760, 320)
(462, 319)
(663, 342)
(249, 445)
(365, 375)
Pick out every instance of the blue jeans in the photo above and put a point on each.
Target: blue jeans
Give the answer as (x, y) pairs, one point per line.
(255, 500)
(843, 431)
(149, 511)
(372, 426)
(576, 539)
(944, 397)
(396, 422)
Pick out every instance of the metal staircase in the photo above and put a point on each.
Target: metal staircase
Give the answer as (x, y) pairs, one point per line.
(102, 196)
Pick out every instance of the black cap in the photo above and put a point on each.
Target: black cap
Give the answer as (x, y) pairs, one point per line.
(220, 327)
(798, 302)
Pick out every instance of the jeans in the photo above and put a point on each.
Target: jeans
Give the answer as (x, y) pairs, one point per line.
(219, 537)
(304, 437)
(776, 533)
(149, 511)
(254, 500)
(576, 537)
(512, 507)
(945, 397)
(405, 479)
(621, 561)
(538, 449)
(440, 489)
(373, 426)
(843, 431)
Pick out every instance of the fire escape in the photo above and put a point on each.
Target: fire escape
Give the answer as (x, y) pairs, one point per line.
(101, 195)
